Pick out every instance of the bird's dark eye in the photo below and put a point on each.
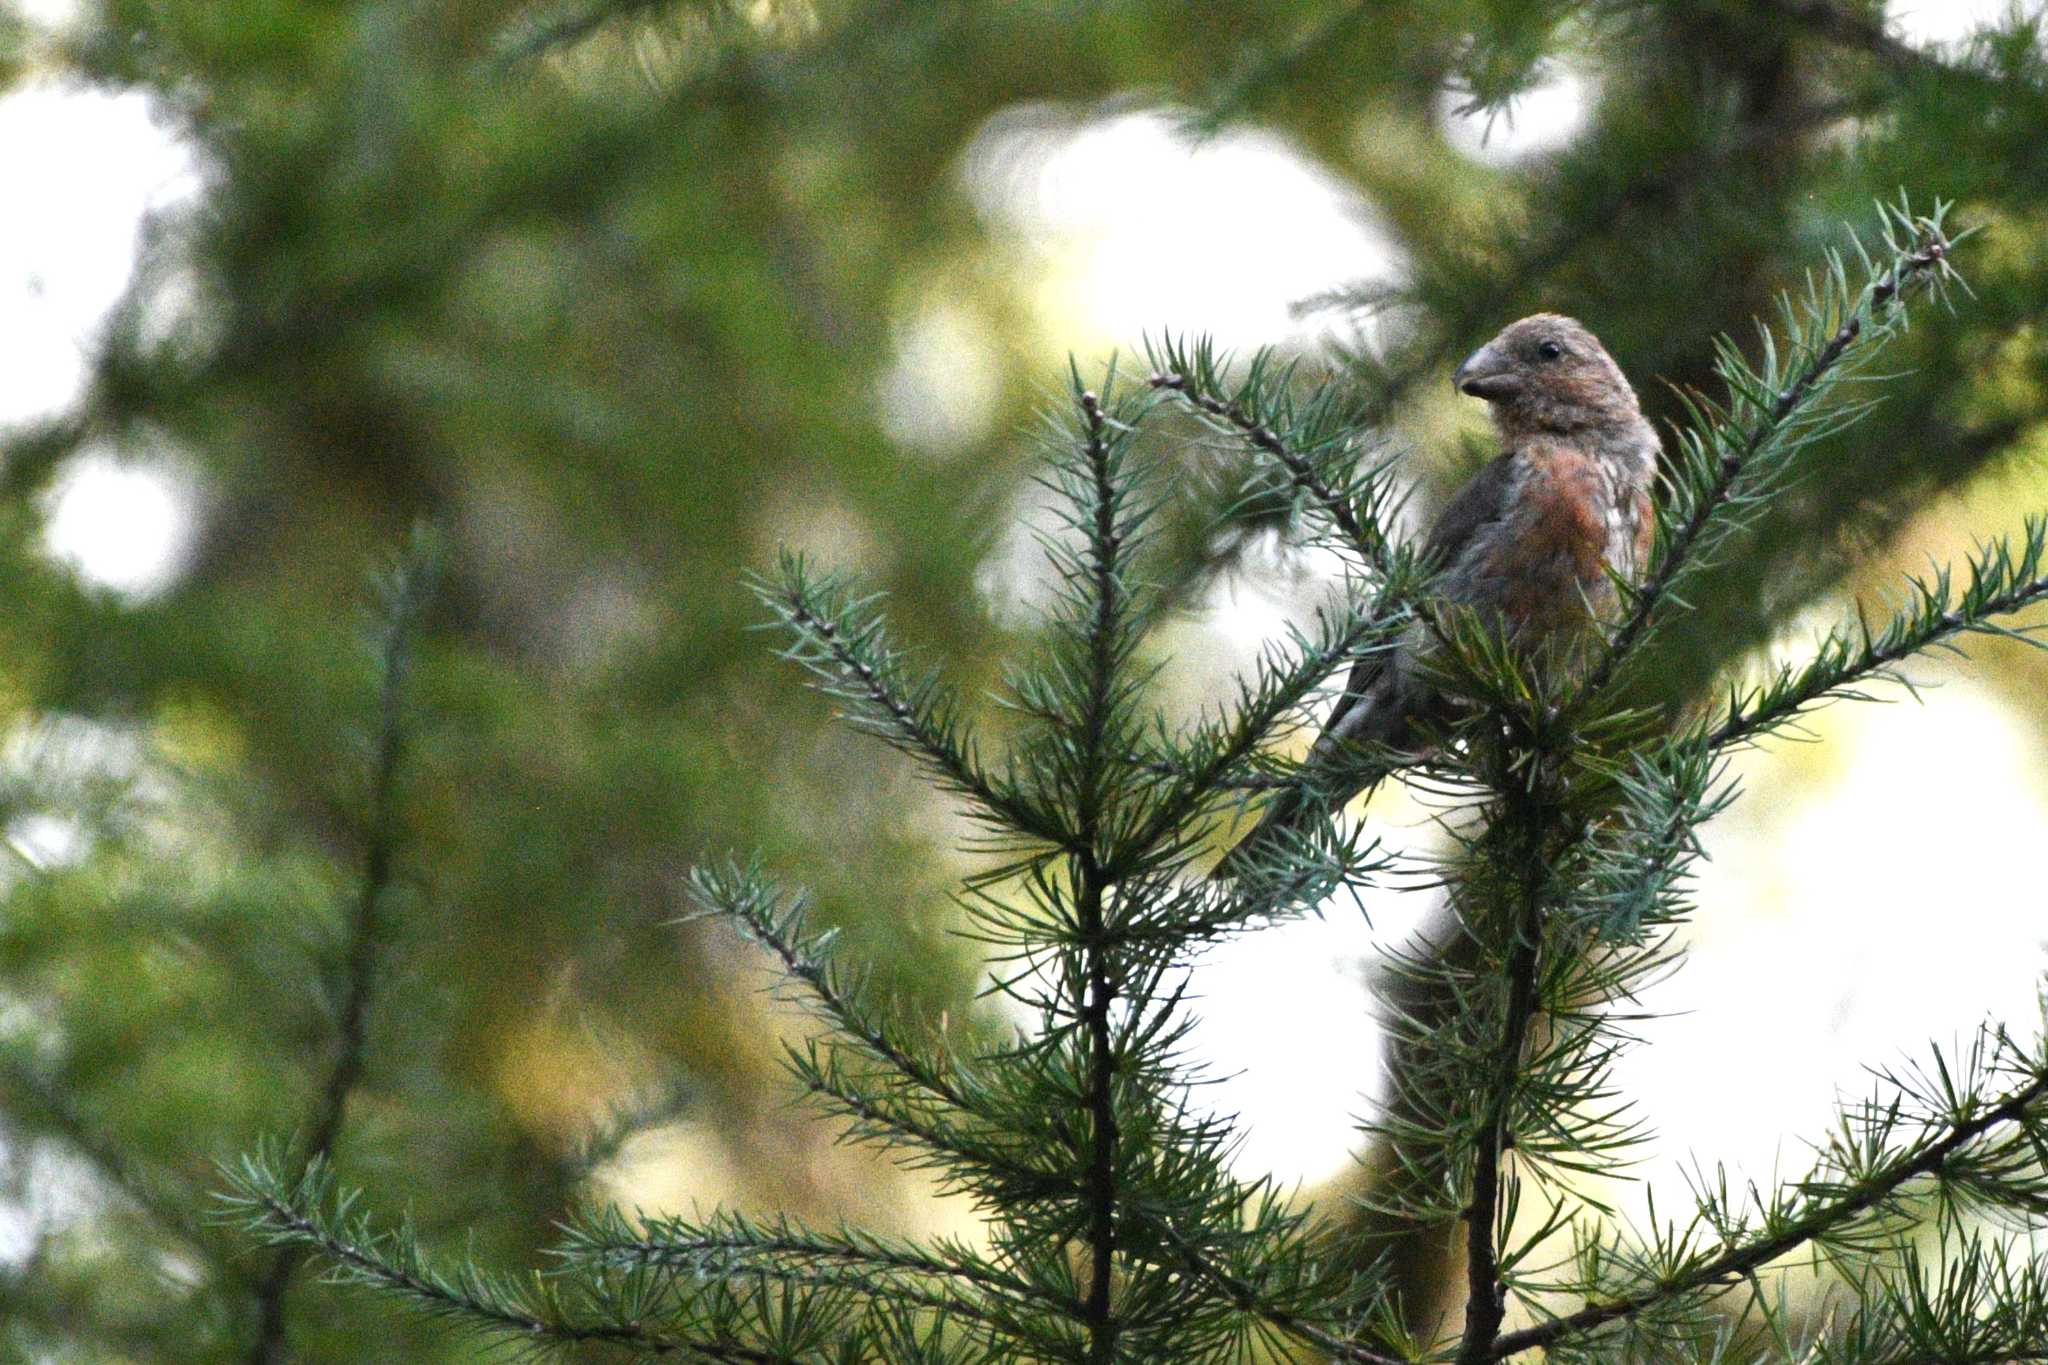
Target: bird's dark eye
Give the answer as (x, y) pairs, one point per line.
(1549, 350)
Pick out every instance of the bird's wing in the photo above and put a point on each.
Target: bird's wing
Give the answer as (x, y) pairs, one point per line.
(1480, 502)
(1368, 710)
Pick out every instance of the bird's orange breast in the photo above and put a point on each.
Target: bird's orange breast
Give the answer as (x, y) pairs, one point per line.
(1552, 561)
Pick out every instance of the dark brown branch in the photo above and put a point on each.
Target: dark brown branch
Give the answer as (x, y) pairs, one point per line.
(1486, 1296)
(1093, 1007)
(1101, 1174)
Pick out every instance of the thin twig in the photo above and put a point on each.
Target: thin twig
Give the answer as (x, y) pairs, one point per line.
(1789, 399)
(863, 1108)
(331, 1105)
(1371, 544)
(365, 1261)
(1740, 727)
(687, 1253)
(1257, 782)
(1246, 1299)
(875, 1285)
(932, 745)
(818, 981)
(1740, 1263)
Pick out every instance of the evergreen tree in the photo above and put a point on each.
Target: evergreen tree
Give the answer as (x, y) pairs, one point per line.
(1115, 1227)
(612, 295)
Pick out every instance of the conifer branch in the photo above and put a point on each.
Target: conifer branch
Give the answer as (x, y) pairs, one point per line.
(734, 1241)
(975, 1156)
(293, 1215)
(871, 1283)
(742, 894)
(1283, 687)
(1253, 411)
(363, 1259)
(839, 640)
(1638, 861)
(1980, 1306)
(1101, 1175)
(1723, 455)
(1101, 1195)
(1486, 1295)
(1298, 469)
(1737, 1264)
(2000, 583)
(404, 594)
(1245, 1298)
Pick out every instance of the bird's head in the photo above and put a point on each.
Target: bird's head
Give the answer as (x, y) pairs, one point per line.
(1548, 373)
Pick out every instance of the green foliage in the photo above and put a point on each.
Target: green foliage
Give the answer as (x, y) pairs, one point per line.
(1112, 1226)
(615, 295)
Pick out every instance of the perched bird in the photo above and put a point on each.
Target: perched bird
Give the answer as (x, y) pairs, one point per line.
(1529, 543)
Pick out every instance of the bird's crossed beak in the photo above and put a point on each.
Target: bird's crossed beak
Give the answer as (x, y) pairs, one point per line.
(1487, 374)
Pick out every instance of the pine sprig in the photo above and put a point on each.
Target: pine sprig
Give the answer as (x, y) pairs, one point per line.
(951, 1276)
(1640, 859)
(743, 894)
(1314, 440)
(1732, 457)
(1983, 1303)
(2000, 580)
(1935, 1123)
(1289, 676)
(313, 1212)
(842, 641)
(1085, 688)
(1260, 1300)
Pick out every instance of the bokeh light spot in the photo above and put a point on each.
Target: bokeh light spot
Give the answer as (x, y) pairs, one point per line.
(1543, 119)
(1134, 227)
(94, 166)
(123, 525)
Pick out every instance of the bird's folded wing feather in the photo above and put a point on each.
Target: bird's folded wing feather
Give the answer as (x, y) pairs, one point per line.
(1478, 504)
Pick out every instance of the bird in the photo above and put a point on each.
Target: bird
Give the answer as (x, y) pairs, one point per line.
(1533, 544)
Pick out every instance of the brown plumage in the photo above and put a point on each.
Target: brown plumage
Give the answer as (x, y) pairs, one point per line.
(1528, 542)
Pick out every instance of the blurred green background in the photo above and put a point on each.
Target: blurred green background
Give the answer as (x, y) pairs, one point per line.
(622, 299)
